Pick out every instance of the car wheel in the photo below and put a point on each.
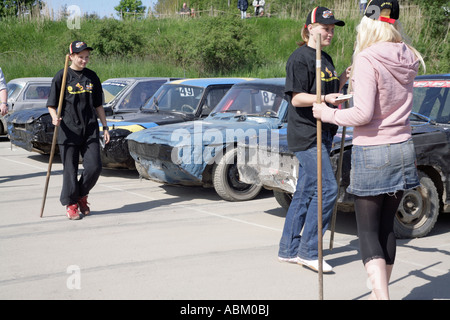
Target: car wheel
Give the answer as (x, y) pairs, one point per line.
(418, 210)
(226, 180)
(284, 199)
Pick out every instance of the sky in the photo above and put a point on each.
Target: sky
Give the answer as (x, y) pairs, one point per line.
(101, 7)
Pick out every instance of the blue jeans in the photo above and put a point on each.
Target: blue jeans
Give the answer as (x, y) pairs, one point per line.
(302, 213)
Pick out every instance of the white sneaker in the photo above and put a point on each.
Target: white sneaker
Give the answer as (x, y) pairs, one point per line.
(289, 260)
(314, 265)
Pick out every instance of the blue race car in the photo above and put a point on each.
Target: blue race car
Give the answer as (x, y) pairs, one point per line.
(176, 101)
(203, 153)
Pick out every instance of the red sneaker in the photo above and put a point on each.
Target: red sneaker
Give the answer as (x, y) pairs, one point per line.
(83, 204)
(72, 212)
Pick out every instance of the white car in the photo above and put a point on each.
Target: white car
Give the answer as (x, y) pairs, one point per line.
(26, 93)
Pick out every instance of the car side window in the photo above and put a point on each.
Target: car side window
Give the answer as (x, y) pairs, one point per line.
(212, 99)
(37, 92)
(139, 95)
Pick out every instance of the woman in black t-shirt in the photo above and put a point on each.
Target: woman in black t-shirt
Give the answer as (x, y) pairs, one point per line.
(79, 129)
(301, 133)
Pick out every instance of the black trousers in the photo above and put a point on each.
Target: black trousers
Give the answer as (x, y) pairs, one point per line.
(73, 187)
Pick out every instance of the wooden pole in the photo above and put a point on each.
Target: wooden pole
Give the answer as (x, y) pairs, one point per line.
(319, 162)
(55, 134)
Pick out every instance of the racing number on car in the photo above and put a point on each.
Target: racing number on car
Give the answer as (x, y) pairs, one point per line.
(268, 98)
(186, 92)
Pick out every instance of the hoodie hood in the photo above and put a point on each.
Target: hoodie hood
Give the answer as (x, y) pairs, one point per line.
(396, 58)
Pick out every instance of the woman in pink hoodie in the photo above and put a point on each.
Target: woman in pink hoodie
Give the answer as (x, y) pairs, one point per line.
(383, 156)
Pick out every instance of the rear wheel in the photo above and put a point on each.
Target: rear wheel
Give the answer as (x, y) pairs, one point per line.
(418, 210)
(226, 180)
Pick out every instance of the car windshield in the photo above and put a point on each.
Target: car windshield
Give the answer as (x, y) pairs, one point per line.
(112, 89)
(175, 97)
(251, 100)
(13, 89)
(430, 99)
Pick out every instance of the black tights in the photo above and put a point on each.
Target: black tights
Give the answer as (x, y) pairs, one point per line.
(375, 221)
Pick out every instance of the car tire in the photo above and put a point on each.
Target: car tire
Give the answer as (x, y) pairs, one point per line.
(226, 182)
(283, 198)
(418, 210)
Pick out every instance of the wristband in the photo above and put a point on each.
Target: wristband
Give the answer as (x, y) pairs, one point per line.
(105, 128)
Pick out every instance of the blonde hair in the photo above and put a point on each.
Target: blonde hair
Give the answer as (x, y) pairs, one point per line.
(371, 31)
(305, 35)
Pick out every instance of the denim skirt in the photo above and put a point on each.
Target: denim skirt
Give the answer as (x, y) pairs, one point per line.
(383, 169)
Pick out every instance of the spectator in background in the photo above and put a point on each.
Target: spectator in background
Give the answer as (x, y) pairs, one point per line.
(185, 10)
(3, 94)
(259, 7)
(242, 6)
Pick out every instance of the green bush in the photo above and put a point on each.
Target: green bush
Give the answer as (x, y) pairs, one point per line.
(226, 44)
(117, 38)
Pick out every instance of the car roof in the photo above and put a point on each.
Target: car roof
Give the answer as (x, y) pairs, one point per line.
(266, 81)
(442, 76)
(141, 79)
(31, 79)
(204, 82)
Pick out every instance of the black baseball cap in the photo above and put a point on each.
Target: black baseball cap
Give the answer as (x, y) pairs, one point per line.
(374, 8)
(78, 46)
(324, 16)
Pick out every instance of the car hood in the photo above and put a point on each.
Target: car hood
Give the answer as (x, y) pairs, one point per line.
(138, 121)
(27, 115)
(207, 132)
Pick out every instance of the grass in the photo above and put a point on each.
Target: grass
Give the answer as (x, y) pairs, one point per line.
(36, 47)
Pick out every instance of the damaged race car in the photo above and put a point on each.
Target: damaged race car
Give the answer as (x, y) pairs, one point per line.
(177, 101)
(203, 152)
(32, 129)
(275, 167)
(26, 93)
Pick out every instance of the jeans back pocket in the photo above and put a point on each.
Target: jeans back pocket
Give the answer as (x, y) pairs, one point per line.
(376, 157)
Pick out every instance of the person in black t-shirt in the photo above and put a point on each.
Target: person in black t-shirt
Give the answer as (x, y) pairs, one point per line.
(78, 128)
(300, 89)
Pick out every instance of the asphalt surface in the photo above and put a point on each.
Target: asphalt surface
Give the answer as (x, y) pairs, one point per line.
(148, 241)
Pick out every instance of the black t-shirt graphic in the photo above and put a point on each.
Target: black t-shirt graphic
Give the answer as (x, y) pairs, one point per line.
(82, 95)
(301, 77)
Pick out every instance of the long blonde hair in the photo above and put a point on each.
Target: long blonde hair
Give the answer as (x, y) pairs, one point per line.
(371, 31)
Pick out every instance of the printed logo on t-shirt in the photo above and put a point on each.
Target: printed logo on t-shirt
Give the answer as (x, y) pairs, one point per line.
(80, 89)
(328, 75)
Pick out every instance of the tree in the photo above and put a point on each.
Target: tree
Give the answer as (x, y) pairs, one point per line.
(11, 8)
(129, 8)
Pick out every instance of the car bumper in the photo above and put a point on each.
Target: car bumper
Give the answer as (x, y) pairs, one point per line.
(154, 162)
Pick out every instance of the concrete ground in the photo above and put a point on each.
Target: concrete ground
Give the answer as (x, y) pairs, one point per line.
(148, 241)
